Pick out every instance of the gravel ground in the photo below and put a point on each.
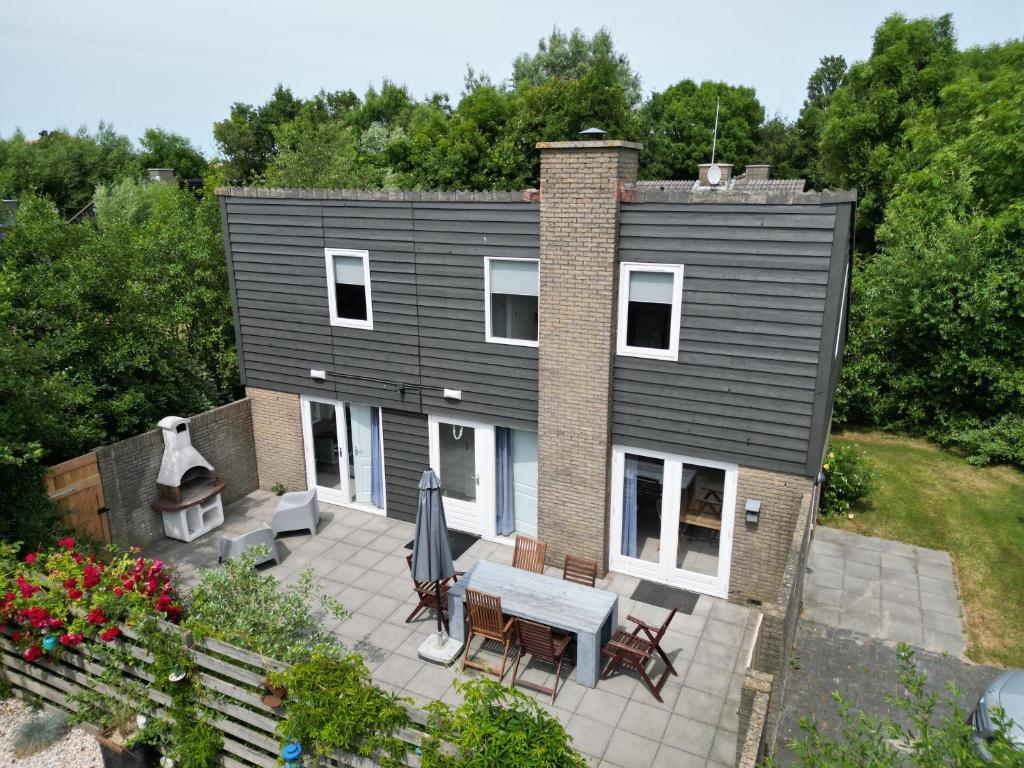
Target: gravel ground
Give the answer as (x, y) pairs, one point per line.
(76, 750)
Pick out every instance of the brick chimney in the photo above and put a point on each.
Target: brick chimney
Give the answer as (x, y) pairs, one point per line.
(757, 172)
(702, 175)
(580, 184)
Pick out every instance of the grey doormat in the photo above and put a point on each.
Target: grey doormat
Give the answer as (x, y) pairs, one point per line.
(665, 596)
(460, 543)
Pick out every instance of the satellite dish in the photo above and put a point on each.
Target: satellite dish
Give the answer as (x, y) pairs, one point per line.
(714, 175)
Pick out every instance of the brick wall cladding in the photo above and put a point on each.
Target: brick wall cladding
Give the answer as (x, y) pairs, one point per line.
(579, 218)
(277, 431)
(128, 470)
(760, 551)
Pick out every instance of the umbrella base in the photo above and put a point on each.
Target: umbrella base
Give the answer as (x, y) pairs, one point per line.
(444, 653)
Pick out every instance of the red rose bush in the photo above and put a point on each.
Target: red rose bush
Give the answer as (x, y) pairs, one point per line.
(62, 597)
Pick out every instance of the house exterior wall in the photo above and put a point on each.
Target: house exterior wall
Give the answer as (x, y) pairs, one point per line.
(760, 550)
(277, 428)
(579, 217)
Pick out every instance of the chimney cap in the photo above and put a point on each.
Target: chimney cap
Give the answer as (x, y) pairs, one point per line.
(592, 133)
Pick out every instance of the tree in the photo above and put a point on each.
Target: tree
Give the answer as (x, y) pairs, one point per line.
(246, 137)
(572, 57)
(678, 128)
(862, 134)
(164, 149)
(311, 153)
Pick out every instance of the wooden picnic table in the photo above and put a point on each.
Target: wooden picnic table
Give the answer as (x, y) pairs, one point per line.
(587, 612)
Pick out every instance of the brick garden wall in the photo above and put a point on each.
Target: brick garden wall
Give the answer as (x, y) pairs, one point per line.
(760, 551)
(128, 470)
(579, 219)
(277, 429)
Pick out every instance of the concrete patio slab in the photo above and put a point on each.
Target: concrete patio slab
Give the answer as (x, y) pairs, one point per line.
(883, 589)
(360, 559)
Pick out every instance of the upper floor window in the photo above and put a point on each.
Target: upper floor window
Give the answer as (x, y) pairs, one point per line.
(650, 298)
(348, 288)
(511, 289)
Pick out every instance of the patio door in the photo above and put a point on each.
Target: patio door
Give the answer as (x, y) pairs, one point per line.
(672, 519)
(344, 451)
(462, 454)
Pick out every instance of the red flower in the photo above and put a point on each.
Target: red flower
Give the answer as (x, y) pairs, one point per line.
(70, 582)
(32, 653)
(118, 591)
(110, 633)
(91, 577)
(31, 558)
(67, 543)
(70, 640)
(96, 617)
(16, 637)
(75, 594)
(78, 558)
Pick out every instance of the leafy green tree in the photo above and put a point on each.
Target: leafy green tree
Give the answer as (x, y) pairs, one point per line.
(862, 133)
(572, 57)
(164, 149)
(678, 127)
(802, 152)
(311, 153)
(246, 138)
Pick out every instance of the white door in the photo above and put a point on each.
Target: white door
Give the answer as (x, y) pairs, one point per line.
(524, 474)
(323, 437)
(462, 455)
(361, 436)
(681, 514)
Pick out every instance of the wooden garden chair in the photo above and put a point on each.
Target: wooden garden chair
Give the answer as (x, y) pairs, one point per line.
(529, 554)
(487, 622)
(632, 650)
(541, 643)
(426, 594)
(579, 570)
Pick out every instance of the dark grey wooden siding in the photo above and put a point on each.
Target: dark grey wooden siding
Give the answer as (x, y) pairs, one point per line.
(756, 285)
(406, 455)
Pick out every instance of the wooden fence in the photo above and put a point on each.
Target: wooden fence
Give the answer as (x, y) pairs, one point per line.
(75, 485)
(233, 674)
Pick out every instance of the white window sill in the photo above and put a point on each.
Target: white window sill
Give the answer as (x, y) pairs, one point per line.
(512, 342)
(650, 354)
(340, 322)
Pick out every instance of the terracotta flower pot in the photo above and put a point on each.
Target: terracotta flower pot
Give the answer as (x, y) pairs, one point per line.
(275, 694)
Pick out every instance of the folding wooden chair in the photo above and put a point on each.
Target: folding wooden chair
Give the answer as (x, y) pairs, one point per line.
(540, 642)
(580, 570)
(487, 621)
(426, 593)
(529, 554)
(631, 650)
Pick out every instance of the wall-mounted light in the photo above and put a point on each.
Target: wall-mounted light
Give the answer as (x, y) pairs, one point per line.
(318, 375)
(453, 394)
(753, 510)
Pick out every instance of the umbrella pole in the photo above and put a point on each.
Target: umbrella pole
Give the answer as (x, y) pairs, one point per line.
(440, 637)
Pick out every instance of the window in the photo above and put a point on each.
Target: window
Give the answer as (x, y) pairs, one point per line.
(650, 296)
(510, 297)
(348, 288)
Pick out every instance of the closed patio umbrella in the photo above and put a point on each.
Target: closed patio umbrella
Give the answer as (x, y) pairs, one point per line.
(431, 550)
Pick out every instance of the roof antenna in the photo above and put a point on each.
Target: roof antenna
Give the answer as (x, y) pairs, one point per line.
(714, 140)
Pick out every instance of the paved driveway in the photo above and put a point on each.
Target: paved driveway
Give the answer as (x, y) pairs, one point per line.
(884, 589)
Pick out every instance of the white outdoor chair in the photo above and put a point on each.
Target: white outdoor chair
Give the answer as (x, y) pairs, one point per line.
(231, 547)
(297, 511)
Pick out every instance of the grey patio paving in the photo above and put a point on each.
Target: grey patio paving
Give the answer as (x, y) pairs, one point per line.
(884, 589)
(360, 558)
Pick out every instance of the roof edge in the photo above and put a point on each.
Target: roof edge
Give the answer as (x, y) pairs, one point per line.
(382, 195)
(711, 197)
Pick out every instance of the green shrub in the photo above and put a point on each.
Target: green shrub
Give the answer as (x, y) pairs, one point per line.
(39, 732)
(497, 726)
(848, 477)
(279, 488)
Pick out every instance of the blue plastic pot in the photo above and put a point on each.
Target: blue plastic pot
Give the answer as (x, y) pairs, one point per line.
(292, 755)
(50, 643)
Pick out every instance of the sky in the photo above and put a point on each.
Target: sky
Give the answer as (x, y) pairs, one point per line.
(181, 64)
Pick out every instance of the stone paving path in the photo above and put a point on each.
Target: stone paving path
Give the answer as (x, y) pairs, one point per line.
(884, 589)
(863, 669)
(360, 558)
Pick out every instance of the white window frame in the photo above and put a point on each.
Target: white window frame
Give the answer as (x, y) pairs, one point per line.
(488, 336)
(625, 270)
(332, 299)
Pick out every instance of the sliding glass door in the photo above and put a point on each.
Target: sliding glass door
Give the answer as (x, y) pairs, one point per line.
(344, 452)
(515, 482)
(672, 519)
(462, 455)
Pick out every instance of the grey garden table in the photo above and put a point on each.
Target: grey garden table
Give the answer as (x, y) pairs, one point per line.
(589, 613)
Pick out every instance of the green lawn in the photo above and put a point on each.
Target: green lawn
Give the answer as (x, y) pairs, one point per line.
(933, 498)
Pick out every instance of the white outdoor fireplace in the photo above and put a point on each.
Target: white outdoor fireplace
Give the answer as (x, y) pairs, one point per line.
(188, 489)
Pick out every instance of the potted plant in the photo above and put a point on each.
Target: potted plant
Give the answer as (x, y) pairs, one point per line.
(116, 740)
(274, 695)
